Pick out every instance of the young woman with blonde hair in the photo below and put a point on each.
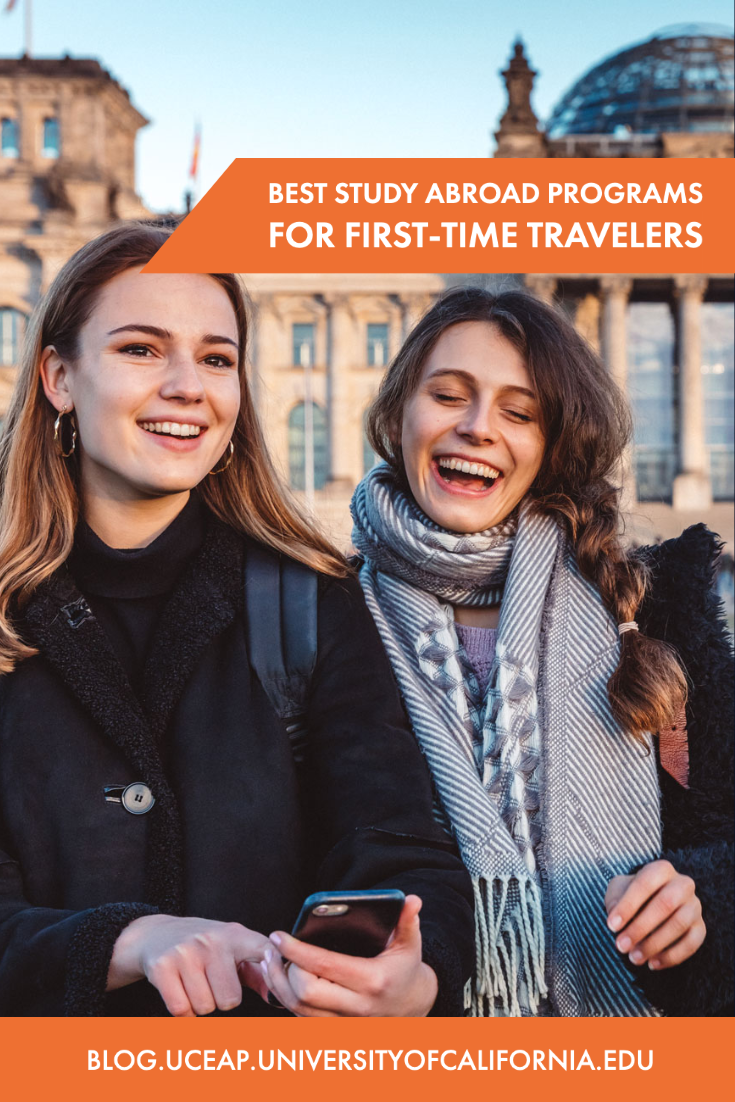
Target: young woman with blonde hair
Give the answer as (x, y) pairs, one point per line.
(545, 668)
(154, 826)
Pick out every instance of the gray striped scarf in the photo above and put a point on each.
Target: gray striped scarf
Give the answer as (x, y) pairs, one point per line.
(564, 800)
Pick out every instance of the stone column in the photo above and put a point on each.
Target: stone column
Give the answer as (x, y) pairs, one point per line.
(542, 286)
(267, 358)
(27, 136)
(587, 320)
(615, 292)
(692, 487)
(341, 356)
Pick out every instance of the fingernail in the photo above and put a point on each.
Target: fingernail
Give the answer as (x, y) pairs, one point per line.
(276, 939)
(636, 957)
(615, 922)
(268, 954)
(264, 968)
(654, 965)
(624, 944)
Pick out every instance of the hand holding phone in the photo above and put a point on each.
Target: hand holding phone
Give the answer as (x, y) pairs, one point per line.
(356, 923)
(312, 981)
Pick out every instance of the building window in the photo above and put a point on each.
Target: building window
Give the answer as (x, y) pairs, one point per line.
(651, 395)
(719, 392)
(12, 325)
(9, 145)
(297, 446)
(50, 144)
(303, 344)
(369, 457)
(377, 345)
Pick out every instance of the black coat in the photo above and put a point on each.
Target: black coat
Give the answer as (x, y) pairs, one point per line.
(682, 608)
(235, 833)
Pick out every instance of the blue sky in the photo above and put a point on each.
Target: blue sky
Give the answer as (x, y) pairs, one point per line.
(386, 78)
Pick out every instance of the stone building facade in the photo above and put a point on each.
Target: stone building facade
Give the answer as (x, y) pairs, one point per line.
(668, 339)
(67, 159)
(331, 335)
(670, 96)
(67, 170)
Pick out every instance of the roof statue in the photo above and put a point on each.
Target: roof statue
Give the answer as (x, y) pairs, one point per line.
(518, 134)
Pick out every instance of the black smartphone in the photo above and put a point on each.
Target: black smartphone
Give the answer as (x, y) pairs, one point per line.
(356, 923)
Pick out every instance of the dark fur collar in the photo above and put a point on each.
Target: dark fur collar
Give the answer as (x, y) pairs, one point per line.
(682, 572)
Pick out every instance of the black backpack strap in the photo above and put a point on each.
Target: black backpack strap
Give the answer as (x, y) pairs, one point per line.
(281, 623)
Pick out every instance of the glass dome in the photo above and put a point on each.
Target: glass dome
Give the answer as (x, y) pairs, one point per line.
(681, 79)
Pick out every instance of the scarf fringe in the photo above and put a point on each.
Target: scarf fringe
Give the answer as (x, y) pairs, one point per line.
(509, 947)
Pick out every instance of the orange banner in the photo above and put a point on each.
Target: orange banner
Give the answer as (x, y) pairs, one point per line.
(302, 1059)
(469, 215)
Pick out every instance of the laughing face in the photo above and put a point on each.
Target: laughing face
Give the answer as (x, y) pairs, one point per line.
(155, 388)
(471, 440)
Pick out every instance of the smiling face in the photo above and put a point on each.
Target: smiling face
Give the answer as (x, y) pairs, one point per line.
(154, 388)
(471, 440)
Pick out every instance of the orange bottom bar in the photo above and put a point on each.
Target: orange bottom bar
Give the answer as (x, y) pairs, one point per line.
(108, 1058)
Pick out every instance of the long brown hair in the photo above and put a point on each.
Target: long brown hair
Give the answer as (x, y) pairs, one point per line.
(586, 425)
(39, 499)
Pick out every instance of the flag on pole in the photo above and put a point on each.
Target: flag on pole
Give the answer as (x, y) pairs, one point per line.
(7, 8)
(194, 170)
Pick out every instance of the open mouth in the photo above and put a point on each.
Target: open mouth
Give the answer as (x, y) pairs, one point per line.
(471, 477)
(171, 428)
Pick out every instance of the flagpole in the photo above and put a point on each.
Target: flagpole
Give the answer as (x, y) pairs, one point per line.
(305, 359)
(28, 28)
(191, 193)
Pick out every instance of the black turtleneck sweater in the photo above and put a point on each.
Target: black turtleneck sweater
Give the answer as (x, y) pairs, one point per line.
(127, 590)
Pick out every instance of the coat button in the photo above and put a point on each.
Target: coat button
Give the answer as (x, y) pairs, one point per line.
(137, 798)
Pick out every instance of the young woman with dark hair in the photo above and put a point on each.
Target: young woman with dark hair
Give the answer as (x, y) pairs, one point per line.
(154, 826)
(546, 668)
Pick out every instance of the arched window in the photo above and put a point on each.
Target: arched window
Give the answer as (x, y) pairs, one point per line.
(51, 141)
(297, 447)
(12, 326)
(9, 145)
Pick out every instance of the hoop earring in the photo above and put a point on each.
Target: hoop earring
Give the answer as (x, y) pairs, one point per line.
(225, 465)
(59, 431)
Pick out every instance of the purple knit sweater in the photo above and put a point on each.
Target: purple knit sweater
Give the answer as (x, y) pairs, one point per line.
(479, 646)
